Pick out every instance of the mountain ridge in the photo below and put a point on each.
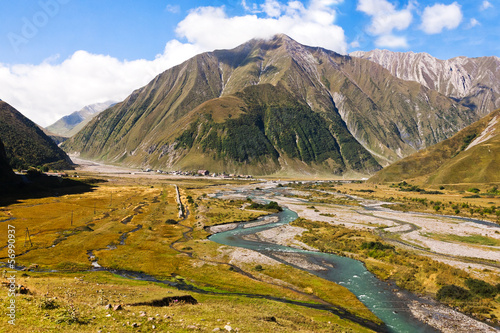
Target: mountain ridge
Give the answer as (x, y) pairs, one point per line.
(25, 142)
(470, 156)
(69, 125)
(475, 82)
(144, 129)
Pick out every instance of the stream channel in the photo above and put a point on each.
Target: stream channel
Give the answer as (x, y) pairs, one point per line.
(377, 295)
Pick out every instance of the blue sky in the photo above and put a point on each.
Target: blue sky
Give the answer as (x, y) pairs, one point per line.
(57, 56)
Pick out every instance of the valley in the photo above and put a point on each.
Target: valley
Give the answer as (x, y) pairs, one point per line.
(128, 245)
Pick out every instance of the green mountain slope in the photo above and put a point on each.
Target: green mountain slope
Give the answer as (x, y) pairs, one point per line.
(26, 144)
(305, 108)
(470, 156)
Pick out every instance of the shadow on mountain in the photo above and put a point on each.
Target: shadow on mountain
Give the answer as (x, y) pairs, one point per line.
(41, 186)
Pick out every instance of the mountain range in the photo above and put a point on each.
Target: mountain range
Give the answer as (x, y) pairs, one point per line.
(70, 125)
(474, 82)
(26, 144)
(470, 156)
(271, 106)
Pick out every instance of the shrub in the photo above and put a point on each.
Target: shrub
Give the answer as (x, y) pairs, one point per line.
(481, 288)
(453, 292)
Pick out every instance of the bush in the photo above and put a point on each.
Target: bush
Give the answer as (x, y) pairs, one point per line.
(376, 246)
(170, 221)
(453, 292)
(474, 190)
(481, 288)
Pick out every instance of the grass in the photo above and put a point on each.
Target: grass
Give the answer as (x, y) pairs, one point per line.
(167, 251)
(416, 273)
(472, 239)
(78, 301)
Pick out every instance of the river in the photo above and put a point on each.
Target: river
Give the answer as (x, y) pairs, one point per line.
(377, 295)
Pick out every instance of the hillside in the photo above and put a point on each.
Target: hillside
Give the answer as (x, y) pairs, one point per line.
(6, 172)
(69, 125)
(475, 82)
(362, 115)
(26, 144)
(470, 156)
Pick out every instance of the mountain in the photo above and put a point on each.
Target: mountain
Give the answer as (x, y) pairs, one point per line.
(6, 173)
(70, 125)
(26, 144)
(470, 156)
(271, 106)
(474, 82)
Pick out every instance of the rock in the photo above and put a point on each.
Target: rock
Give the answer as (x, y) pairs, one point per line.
(32, 267)
(192, 327)
(228, 328)
(135, 325)
(107, 307)
(117, 307)
(216, 329)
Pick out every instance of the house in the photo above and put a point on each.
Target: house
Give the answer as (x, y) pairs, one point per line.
(203, 172)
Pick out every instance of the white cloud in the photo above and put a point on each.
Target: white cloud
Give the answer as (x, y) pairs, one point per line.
(485, 5)
(391, 41)
(385, 17)
(210, 27)
(48, 91)
(473, 22)
(438, 17)
(173, 9)
(272, 8)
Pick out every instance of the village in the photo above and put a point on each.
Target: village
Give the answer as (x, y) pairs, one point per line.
(204, 173)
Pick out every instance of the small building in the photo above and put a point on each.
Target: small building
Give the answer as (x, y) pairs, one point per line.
(203, 172)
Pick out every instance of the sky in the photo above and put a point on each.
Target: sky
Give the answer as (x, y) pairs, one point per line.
(57, 56)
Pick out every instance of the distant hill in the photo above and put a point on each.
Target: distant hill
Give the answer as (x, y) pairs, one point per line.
(69, 125)
(470, 156)
(26, 144)
(271, 106)
(474, 82)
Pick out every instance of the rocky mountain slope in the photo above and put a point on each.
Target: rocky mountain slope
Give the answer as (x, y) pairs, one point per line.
(475, 82)
(271, 106)
(69, 125)
(26, 144)
(470, 156)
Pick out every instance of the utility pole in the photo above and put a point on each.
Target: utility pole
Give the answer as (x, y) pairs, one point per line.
(94, 208)
(71, 217)
(27, 237)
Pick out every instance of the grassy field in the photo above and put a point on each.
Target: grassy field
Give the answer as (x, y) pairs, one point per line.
(416, 273)
(457, 200)
(131, 224)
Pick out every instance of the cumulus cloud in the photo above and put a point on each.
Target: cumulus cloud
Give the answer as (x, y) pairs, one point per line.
(48, 91)
(210, 27)
(439, 16)
(385, 19)
(485, 5)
